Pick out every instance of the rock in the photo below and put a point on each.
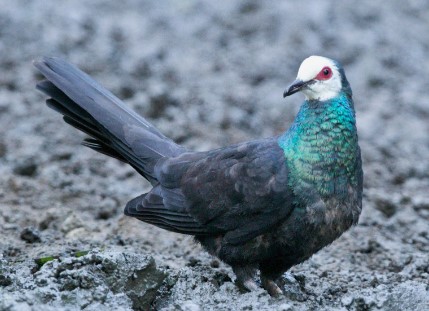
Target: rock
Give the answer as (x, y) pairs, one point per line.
(77, 233)
(408, 296)
(30, 235)
(215, 263)
(107, 208)
(26, 167)
(73, 221)
(294, 287)
(387, 203)
(120, 278)
(5, 280)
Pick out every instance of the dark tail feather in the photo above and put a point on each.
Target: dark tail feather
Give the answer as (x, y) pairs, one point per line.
(115, 129)
(94, 144)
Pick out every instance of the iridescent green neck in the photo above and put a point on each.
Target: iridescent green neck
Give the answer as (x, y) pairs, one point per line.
(321, 147)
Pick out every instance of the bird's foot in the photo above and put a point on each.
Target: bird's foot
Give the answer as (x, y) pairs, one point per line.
(271, 287)
(245, 275)
(248, 285)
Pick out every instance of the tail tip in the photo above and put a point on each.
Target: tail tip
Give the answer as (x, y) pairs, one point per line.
(45, 61)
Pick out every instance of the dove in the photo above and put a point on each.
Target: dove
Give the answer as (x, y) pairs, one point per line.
(266, 204)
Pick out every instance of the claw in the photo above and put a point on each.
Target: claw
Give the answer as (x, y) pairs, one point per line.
(250, 285)
(245, 275)
(271, 287)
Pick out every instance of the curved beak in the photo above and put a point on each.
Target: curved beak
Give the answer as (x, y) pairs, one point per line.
(296, 86)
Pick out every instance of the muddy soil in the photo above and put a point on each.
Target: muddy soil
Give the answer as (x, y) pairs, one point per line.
(207, 74)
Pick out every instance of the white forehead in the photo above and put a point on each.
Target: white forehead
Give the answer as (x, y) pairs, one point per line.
(312, 65)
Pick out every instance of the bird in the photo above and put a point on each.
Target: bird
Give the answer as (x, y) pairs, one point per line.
(260, 206)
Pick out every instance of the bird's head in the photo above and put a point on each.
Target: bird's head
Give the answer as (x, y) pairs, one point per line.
(319, 78)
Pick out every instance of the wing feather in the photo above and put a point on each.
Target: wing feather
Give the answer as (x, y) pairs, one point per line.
(239, 191)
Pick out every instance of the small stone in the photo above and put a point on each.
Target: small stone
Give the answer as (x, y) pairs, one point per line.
(108, 208)
(190, 306)
(77, 233)
(219, 278)
(361, 304)
(386, 205)
(301, 279)
(159, 103)
(346, 301)
(374, 282)
(30, 235)
(292, 288)
(5, 280)
(26, 167)
(193, 262)
(214, 263)
(71, 222)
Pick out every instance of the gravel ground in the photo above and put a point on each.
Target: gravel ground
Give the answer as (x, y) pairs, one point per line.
(207, 73)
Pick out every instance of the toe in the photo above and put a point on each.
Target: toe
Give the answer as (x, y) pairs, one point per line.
(271, 287)
(250, 285)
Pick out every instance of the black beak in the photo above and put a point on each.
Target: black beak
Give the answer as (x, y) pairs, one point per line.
(296, 86)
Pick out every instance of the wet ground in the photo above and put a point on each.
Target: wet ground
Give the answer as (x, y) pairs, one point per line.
(207, 74)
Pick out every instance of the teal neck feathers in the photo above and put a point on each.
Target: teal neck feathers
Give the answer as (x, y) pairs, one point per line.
(321, 148)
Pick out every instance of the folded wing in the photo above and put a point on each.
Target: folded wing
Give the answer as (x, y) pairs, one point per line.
(239, 191)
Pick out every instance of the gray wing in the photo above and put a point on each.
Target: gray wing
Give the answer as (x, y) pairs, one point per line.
(239, 191)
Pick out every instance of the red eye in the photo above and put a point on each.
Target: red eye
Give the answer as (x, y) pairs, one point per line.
(324, 74)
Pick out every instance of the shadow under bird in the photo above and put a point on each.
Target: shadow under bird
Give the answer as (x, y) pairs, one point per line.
(261, 205)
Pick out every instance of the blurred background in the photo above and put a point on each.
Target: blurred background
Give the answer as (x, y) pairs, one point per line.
(208, 74)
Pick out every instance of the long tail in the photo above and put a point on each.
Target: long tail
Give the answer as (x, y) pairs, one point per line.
(116, 130)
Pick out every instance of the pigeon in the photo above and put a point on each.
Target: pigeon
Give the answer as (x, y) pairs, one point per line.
(263, 205)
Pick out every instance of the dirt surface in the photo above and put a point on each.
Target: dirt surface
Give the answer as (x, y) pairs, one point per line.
(207, 73)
